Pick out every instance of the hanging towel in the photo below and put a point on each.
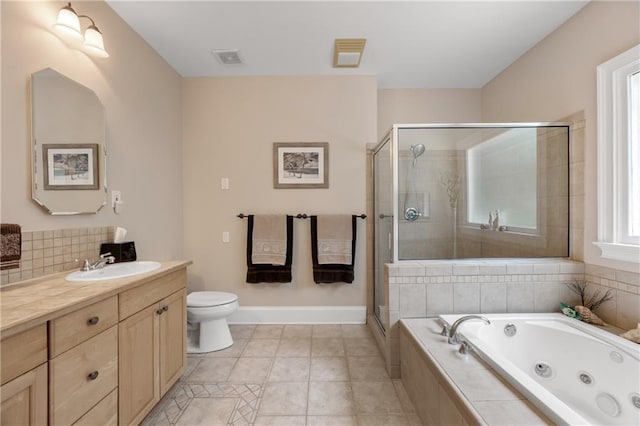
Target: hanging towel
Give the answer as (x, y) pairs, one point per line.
(269, 273)
(269, 240)
(10, 246)
(332, 272)
(335, 236)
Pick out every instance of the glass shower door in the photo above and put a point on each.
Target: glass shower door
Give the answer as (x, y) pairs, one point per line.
(383, 231)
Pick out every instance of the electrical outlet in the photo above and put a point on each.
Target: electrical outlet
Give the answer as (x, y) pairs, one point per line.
(224, 183)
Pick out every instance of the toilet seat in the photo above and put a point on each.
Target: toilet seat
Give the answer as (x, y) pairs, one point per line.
(203, 299)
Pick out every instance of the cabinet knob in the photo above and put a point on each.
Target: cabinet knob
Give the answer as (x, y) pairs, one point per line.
(93, 320)
(159, 311)
(165, 308)
(93, 375)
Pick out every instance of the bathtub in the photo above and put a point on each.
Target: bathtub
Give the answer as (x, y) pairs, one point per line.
(575, 373)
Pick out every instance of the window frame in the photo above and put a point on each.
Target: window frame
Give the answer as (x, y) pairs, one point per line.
(613, 156)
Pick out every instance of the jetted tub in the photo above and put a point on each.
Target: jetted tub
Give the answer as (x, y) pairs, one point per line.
(575, 373)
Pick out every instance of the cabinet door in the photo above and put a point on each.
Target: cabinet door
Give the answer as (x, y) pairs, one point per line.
(173, 334)
(138, 365)
(24, 399)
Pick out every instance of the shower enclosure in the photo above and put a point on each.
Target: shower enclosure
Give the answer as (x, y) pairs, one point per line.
(469, 191)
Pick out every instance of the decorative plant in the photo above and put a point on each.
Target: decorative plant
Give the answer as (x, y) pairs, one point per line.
(589, 304)
(592, 302)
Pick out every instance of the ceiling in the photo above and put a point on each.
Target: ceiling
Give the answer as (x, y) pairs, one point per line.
(415, 44)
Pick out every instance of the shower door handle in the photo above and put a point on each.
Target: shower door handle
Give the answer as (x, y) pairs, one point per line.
(384, 216)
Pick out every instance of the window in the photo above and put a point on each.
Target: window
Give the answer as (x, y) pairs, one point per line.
(619, 157)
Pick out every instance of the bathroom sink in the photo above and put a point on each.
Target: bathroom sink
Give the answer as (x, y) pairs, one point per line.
(113, 271)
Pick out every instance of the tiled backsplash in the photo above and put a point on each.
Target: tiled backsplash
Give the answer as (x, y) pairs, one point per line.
(624, 309)
(48, 252)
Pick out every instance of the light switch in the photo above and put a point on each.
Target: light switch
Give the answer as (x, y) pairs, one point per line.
(224, 183)
(116, 201)
(225, 237)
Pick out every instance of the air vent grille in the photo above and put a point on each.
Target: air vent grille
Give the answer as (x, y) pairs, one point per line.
(228, 56)
(347, 52)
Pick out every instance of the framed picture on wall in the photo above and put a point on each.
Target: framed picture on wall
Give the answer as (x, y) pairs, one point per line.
(301, 165)
(70, 166)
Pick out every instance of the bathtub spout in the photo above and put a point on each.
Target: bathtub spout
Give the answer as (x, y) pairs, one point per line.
(453, 332)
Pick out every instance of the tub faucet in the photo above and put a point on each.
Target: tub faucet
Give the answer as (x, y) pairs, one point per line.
(99, 263)
(454, 339)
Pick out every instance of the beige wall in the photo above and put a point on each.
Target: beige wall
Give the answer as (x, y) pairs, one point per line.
(557, 78)
(141, 95)
(230, 125)
(406, 106)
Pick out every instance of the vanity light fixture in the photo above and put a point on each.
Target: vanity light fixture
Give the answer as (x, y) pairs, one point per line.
(68, 25)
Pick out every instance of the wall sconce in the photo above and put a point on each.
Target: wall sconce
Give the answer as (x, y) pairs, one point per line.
(68, 25)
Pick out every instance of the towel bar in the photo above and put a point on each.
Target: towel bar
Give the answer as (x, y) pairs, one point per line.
(242, 216)
(299, 216)
(305, 216)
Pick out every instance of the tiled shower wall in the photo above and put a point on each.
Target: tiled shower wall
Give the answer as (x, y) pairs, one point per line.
(48, 252)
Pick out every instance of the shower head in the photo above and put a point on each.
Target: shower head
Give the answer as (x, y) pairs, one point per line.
(416, 150)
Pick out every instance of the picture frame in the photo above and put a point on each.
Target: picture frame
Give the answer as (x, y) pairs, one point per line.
(70, 166)
(300, 165)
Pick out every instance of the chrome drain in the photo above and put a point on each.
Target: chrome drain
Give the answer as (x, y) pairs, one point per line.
(585, 378)
(510, 330)
(543, 370)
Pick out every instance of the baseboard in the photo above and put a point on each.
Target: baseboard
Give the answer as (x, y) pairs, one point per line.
(299, 315)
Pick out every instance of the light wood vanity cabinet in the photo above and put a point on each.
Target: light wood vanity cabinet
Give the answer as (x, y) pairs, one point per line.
(24, 399)
(24, 378)
(83, 364)
(107, 363)
(152, 344)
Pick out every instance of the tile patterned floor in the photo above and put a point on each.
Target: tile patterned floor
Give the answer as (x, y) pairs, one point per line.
(320, 375)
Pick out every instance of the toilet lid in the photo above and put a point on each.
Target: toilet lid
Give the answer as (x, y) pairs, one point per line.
(210, 298)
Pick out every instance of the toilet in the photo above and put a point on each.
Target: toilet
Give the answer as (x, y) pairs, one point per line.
(207, 313)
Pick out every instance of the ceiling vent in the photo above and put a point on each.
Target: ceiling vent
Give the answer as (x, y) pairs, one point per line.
(228, 56)
(348, 52)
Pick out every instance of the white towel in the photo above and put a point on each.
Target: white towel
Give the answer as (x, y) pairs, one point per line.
(269, 242)
(335, 235)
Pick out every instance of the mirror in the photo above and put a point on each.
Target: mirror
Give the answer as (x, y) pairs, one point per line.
(68, 146)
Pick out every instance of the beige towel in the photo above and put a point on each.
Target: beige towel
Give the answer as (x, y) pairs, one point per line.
(335, 235)
(269, 243)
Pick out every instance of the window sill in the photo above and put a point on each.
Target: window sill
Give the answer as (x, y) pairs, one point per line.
(616, 251)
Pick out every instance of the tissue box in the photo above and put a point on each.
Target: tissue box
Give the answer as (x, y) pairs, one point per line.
(123, 252)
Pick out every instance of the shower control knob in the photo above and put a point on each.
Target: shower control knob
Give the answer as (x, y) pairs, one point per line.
(411, 214)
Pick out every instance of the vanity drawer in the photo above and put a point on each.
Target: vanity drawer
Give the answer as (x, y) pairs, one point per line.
(82, 376)
(23, 351)
(136, 299)
(103, 414)
(74, 328)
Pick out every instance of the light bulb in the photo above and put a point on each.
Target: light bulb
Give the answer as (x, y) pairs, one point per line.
(68, 23)
(93, 42)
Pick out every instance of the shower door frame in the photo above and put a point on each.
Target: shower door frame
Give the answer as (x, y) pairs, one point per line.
(376, 278)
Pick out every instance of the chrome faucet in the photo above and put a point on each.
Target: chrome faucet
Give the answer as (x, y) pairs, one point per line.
(454, 339)
(104, 258)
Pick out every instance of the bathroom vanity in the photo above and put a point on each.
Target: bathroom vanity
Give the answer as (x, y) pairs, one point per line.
(87, 353)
